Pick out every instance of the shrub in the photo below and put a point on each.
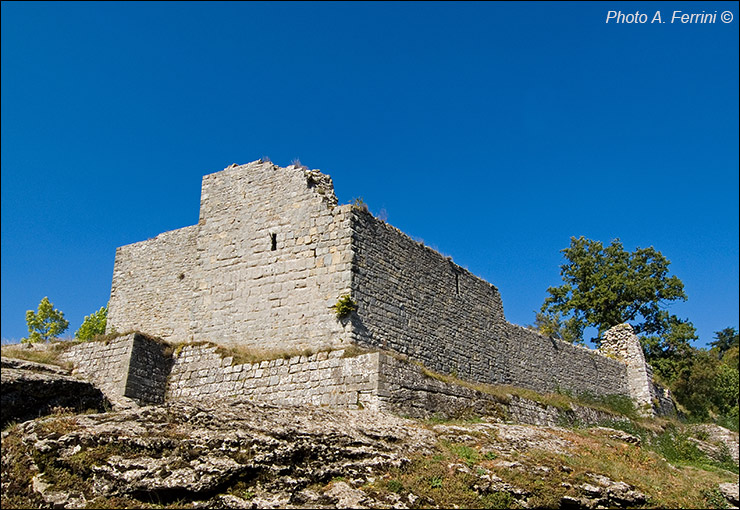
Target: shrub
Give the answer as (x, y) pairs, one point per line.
(344, 306)
(359, 204)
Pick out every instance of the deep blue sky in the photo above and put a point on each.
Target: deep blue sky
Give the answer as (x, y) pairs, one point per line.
(492, 131)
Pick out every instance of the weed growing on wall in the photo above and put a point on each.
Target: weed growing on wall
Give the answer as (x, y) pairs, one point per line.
(344, 306)
(359, 204)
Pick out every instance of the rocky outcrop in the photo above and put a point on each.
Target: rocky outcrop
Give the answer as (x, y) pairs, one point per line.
(717, 442)
(196, 451)
(29, 390)
(234, 453)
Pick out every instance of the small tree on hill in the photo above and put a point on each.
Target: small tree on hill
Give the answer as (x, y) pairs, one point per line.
(93, 325)
(45, 324)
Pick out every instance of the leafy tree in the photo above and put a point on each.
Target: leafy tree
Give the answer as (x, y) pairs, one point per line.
(606, 286)
(708, 387)
(93, 325)
(45, 324)
(670, 353)
(693, 385)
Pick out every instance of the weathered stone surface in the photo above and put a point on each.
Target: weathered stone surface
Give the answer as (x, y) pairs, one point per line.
(192, 450)
(29, 390)
(374, 380)
(232, 453)
(268, 258)
(414, 301)
(133, 365)
(650, 399)
(606, 493)
(619, 435)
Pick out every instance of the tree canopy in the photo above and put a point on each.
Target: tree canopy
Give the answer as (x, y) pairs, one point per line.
(606, 286)
(93, 325)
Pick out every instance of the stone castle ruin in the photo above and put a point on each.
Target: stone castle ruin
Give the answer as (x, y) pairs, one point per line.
(271, 255)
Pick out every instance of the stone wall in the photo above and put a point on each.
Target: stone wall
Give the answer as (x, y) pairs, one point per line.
(154, 284)
(105, 364)
(132, 365)
(404, 388)
(323, 378)
(272, 252)
(622, 343)
(274, 255)
(148, 370)
(268, 258)
(155, 372)
(414, 301)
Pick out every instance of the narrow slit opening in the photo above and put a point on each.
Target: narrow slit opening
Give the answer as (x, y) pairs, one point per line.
(273, 242)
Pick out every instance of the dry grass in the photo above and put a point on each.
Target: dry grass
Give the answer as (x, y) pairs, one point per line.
(503, 393)
(243, 355)
(48, 354)
(451, 475)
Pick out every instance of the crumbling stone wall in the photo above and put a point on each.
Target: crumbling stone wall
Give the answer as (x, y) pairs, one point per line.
(373, 380)
(404, 388)
(103, 363)
(414, 301)
(274, 256)
(269, 256)
(622, 343)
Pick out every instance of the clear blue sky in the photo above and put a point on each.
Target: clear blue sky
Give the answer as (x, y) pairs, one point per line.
(492, 131)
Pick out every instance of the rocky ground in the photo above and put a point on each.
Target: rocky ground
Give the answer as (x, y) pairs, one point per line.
(31, 389)
(239, 454)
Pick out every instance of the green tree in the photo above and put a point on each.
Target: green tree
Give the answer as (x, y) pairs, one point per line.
(726, 339)
(708, 387)
(606, 286)
(93, 325)
(45, 324)
(671, 352)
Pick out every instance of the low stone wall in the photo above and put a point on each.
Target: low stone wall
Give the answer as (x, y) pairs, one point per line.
(324, 378)
(132, 365)
(105, 364)
(149, 368)
(144, 369)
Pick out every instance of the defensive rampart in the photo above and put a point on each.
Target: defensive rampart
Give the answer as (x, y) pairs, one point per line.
(339, 378)
(414, 301)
